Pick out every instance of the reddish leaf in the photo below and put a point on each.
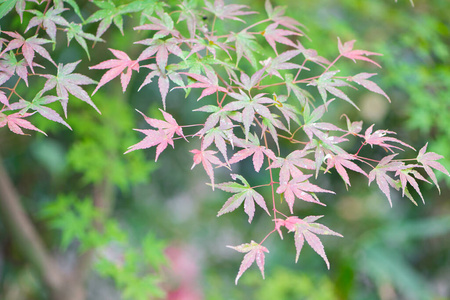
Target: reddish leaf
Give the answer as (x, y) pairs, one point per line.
(290, 165)
(383, 180)
(37, 104)
(222, 11)
(16, 122)
(67, 82)
(361, 79)
(258, 153)
(161, 137)
(254, 252)
(163, 26)
(117, 66)
(29, 46)
(207, 158)
(306, 229)
(274, 35)
(163, 81)
(277, 15)
(162, 50)
(340, 162)
(48, 21)
(301, 188)
(3, 98)
(379, 138)
(242, 193)
(429, 161)
(347, 51)
(405, 177)
(210, 83)
(326, 83)
(272, 65)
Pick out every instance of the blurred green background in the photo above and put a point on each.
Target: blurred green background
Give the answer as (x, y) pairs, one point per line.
(386, 253)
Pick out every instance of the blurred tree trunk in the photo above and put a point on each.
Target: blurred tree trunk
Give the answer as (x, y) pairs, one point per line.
(61, 286)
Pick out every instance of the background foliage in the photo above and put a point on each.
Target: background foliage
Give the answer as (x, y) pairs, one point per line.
(397, 253)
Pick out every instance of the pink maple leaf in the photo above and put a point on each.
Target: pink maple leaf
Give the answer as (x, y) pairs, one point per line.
(306, 229)
(361, 79)
(207, 158)
(230, 11)
(405, 177)
(301, 188)
(277, 15)
(68, 82)
(29, 47)
(210, 83)
(161, 137)
(340, 162)
(379, 138)
(347, 51)
(429, 160)
(16, 122)
(258, 153)
(291, 165)
(117, 66)
(242, 194)
(254, 252)
(274, 35)
(384, 180)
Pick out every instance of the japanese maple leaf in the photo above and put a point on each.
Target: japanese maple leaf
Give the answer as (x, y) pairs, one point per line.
(74, 30)
(405, 178)
(379, 138)
(20, 5)
(10, 66)
(207, 158)
(222, 11)
(218, 135)
(38, 105)
(312, 127)
(429, 160)
(109, 13)
(306, 229)
(250, 107)
(301, 94)
(246, 45)
(384, 180)
(346, 50)
(258, 153)
(289, 112)
(3, 99)
(292, 165)
(117, 66)
(274, 35)
(67, 82)
(210, 83)
(163, 80)
(48, 21)
(361, 79)
(29, 47)
(340, 162)
(277, 15)
(16, 122)
(353, 127)
(161, 48)
(242, 194)
(272, 65)
(247, 83)
(326, 83)
(161, 137)
(301, 188)
(254, 252)
(163, 26)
